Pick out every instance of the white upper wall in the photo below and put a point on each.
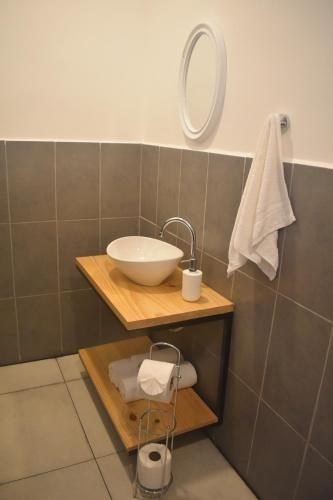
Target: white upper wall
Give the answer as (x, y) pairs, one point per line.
(280, 57)
(71, 69)
(108, 70)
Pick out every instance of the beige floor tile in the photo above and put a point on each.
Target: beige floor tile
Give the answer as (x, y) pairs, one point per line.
(78, 482)
(72, 367)
(200, 473)
(97, 424)
(39, 432)
(27, 375)
(118, 471)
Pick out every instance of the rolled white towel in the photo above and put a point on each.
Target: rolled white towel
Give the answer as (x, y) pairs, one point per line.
(123, 368)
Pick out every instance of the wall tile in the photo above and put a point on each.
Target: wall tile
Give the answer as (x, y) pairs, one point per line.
(35, 258)
(3, 185)
(193, 192)
(234, 435)
(276, 457)
(117, 228)
(77, 174)
(168, 184)
(8, 334)
(215, 275)
(224, 190)
(147, 228)
(149, 176)
(251, 327)
(295, 363)
(6, 276)
(322, 434)
(76, 239)
(307, 267)
(39, 326)
(208, 369)
(31, 180)
(120, 180)
(317, 478)
(111, 328)
(80, 319)
(209, 335)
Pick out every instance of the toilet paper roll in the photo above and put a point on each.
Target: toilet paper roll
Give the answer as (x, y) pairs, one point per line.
(131, 391)
(169, 355)
(121, 369)
(151, 461)
(155, 378)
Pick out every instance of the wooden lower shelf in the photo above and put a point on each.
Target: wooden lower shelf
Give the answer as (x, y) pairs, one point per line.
(192, 412)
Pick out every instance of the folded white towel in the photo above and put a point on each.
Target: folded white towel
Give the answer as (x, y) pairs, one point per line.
(265, 206)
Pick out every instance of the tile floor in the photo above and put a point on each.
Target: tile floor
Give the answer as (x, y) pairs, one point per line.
(57, 443)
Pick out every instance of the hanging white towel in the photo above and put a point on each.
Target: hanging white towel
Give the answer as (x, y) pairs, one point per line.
(265, 206)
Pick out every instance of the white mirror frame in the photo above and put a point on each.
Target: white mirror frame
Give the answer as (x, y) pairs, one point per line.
(213, 117)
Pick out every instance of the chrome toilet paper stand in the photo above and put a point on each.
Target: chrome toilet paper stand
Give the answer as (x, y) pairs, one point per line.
(146, 436)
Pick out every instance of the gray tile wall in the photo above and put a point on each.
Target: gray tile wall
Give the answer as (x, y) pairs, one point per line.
(59, 201)
(277, 429)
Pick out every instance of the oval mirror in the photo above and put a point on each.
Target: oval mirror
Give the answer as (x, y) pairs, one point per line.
(202, 80)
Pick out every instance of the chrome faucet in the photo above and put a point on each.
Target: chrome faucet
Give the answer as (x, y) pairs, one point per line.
(193, 259)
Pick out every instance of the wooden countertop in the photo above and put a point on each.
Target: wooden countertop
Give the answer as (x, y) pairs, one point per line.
(139, 306)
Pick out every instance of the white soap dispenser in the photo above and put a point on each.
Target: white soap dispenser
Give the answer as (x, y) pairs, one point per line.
(191, 286)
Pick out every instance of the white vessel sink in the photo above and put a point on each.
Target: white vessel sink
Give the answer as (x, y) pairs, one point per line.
(146, 261)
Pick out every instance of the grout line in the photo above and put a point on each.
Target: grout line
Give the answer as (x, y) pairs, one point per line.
(314, 413)
(63, 377)
(157, 184)
(88, 442)
(283, 419)
(216, 258)
(179, 190)
(47, 472)
(30, 388)
(18, 340)
(330, 321)
(57, 248)
(140, 187)
(70, 220)
(321, 455)
(261, 385)
(242, 381)
(100, 228)
(205, 209)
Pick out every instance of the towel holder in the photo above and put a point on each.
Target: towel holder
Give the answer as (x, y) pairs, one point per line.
(285, 122)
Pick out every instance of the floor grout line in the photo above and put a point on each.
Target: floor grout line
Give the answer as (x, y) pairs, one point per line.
(86, 437)
(31, 388)
(47, 472)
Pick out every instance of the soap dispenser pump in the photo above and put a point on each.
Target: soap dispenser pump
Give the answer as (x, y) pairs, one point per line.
(192, 277)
